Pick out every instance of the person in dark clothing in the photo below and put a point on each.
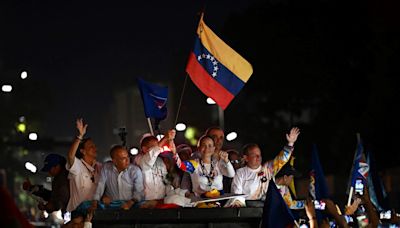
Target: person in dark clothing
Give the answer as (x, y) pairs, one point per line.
(58, 197)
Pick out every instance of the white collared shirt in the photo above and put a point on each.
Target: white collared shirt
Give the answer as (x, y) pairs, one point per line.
(81, 186)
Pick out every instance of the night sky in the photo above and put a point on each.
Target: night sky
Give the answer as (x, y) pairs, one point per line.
(329, 67)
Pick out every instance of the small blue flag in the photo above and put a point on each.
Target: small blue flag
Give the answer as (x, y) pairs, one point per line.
(276, 213)
(154, 99)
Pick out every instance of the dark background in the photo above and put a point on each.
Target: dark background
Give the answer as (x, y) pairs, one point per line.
(328, 67)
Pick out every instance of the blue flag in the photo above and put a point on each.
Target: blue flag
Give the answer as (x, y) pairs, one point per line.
(318, 185)
(154, 99)
(276, 213)
(360, 167)
(376, 189)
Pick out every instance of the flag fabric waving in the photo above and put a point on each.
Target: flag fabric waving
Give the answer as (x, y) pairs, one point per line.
(154, 99)
(276, 213)
(360, 167)
(215, 68)
(318, 185)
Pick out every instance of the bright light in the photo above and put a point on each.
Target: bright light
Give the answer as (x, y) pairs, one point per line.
(21, 119)
(6, 88)
(24, 74)
(21, 127)
(134, 151)
(180, 127)
(31, 167)
(231, 136)
(210, 101)
(160, 136)
(46, 215)
(33, 136)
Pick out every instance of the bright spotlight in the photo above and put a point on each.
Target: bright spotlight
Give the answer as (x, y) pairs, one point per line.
(180, 127)
(6, 88)
(134, 151)
(24, 75)
(231, 136)
(33, 136)
(210, 101)
(31, 167)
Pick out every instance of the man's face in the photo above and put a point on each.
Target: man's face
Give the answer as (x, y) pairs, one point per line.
(54, 170)
(121, 159)
(253, 157)
(218, 136)
(89, 149)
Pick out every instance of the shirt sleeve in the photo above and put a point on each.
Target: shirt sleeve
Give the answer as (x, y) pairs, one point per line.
(226, 168)
(237, 184)
(75, 168)
(273, 166)
(101, 185)
(138, 188)
(147, 161)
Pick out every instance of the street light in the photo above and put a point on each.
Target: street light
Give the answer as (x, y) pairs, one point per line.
(6, 88)
(180, 127)
(231, 136)
(24, 75)
(31, 167)
(210, 101)
(33, 136)
(134, 151)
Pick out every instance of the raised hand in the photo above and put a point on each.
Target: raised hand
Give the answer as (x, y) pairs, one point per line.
(224, 156)
(292, 136)
(81, 127)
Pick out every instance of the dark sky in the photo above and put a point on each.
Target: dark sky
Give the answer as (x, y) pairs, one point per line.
(86, 50)
(337, 59)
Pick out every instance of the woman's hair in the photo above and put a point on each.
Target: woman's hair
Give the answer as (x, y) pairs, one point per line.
(204, 137)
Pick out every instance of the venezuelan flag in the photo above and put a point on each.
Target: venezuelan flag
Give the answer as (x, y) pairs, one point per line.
(215, 68)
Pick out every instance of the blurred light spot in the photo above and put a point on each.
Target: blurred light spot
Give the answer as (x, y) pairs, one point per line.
(210, 101)
(6, 88)
(180, 127)
(134, 151)
(160, 136)
(33, 136)
(231, 136)
(31, 167)
(21, 127)
(24, 74)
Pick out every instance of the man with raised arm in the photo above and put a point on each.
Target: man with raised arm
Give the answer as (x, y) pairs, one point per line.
(253, 179)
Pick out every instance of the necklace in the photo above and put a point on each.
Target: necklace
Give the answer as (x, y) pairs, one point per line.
(92, 173)
(210, 175)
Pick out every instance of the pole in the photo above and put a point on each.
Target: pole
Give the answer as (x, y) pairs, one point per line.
(180, 100)
(150, 126)
(221, 118)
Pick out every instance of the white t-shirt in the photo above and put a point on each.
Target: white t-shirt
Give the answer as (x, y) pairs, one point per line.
(81, 186)
(154, 173)
(202, 184)
(249, 181)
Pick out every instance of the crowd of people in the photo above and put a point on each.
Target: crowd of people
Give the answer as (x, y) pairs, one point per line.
(164, 175)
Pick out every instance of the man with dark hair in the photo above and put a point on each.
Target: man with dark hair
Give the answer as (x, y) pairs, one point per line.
(282, 180)
(119, 181)
(253, 179)
(57, 198)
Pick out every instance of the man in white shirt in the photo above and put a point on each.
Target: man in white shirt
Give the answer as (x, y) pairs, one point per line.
(253, 179)
(119, 181)
(153, 168)
(84, 171)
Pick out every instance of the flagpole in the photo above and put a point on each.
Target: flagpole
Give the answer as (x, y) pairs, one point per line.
(150, 126)
(221, 118)
(180, 100)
